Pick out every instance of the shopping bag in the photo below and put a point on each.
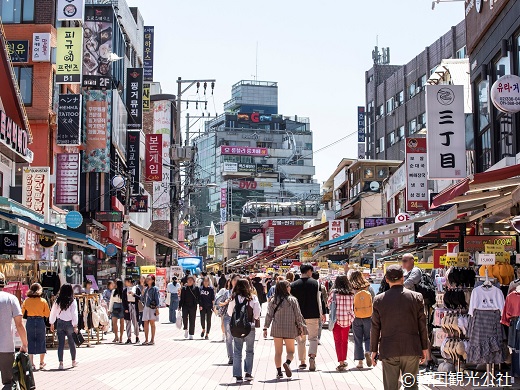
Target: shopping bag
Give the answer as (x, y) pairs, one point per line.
(178, 322)
(78, 339)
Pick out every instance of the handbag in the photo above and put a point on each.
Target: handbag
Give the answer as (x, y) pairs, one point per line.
(117, 308)
(333, 314)
(178, 322)
(25, 315)
(168, 298)
(78, 338)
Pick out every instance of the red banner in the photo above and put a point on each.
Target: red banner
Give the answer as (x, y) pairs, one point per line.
(153, 157)
(67, 179)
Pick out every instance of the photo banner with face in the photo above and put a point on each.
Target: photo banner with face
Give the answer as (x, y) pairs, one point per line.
(97, 124)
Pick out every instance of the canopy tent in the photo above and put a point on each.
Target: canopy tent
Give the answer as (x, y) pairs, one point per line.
(337, 241)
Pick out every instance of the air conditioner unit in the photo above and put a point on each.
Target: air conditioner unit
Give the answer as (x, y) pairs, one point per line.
(377, 117)
(397, 104)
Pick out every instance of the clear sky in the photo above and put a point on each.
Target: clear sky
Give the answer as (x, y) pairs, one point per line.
(317, 51)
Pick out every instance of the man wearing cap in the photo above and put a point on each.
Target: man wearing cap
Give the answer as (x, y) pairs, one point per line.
(9, 310)
(412, 274)
(399, 332)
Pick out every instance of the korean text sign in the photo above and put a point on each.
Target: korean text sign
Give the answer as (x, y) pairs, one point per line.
(243, 151)
(68, 55)
(132, 158)
(134, 98)
(97, 122)
(416, 172)
(446, 135)
(153, 157)
(67, 178)
(69, 115)
(41, 47)
(336, 229)
(148, 53)
(97, 47)
(18, 51)
(35, 189)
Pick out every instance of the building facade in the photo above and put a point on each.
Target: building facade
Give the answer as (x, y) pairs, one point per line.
(395, 96)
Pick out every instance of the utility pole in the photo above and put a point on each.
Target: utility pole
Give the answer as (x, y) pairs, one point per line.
(126, 225)
(178, 143)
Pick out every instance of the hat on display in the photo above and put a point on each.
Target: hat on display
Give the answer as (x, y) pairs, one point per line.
(394, 273)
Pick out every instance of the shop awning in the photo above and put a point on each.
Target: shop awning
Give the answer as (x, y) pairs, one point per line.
(79, 238)
(337, 241)
(497, 179)
(304, 240)
(256, 257)
(439, 221)
(166, 241)
(282, 256)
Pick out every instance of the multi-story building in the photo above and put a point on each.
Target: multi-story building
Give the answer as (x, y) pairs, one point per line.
(257, 158)
(395, 96)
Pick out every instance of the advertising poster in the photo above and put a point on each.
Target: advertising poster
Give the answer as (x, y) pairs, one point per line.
(161, 282)
(97, 46)
(132, 158)
(67, 179)
(134, 98)
(41, 47)
(69, 115)
(70, 10)
(36, 189)
(416, 173)
(176, 270)
(153, 157)
(138, 204)
(161, 201)
(244, 151)
(162, 125)
(97, 123)
(68, 55)
(74, 268)
(148, 53)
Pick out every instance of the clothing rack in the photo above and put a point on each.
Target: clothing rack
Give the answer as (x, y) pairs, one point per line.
(86, 298)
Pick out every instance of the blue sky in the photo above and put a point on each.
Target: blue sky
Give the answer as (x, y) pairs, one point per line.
(317, 51)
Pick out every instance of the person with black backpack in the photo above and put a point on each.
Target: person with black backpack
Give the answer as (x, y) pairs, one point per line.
(244, 309)
(412, 274)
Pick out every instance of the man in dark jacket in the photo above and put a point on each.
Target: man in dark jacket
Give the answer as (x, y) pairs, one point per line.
(190, 297)
(307, 291)
(399, 332)
(131, 297)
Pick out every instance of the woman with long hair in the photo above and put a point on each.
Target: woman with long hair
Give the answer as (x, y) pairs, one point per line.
(206, 300)
(219, 298)
(64, 313)
(283, 313)
(227, 318)
(363, 297)
(243, 295)
(151, 309)
(289, 276)
(116, 309)
(343, 312)
(36, 309)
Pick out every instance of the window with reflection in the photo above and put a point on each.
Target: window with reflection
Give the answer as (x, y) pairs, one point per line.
(503, 66)
(506, 136)
(484, 158)
(483, 104)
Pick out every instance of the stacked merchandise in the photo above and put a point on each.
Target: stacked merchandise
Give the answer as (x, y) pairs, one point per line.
(511, 319)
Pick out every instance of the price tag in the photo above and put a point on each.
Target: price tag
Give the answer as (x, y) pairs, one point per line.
(451, 261)
(463, 259)
(486, 259)
(442, 260)
(493, 248)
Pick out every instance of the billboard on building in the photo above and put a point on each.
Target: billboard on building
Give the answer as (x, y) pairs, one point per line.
(97, 122)
(361, 124)
(69, 123)
(416, 174)
(41, 47)
(148, 52)
(35, 190)
(153, 161)
(134, 98)
(244, 151)
(446, 136)
(68, 55)
(18, 51)
(67, 10)
(162, 125)
(146, 97)
(97, 46)
(67, 179)
(132, 159)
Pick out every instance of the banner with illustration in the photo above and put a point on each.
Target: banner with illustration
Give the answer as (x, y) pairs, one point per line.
(97, 125)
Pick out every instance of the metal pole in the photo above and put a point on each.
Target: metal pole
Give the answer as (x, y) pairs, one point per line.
(176, 178)
(126, 227)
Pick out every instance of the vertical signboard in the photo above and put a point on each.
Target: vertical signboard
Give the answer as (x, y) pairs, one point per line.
(223, 197)
(67, 10)
(35, 190)
(148, 53)
(446, 131)
(162, 125)
(67, 179)
(153, 157)
(68, 55)
(97, 47)
(97, 122)
(146, 97)
(69, 114)
(41, 47)
(134, 98)
(132, 159)
(336, 229)
(361, 124)
(416, 173)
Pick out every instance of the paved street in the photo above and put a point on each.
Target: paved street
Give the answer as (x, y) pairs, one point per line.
(176, 363)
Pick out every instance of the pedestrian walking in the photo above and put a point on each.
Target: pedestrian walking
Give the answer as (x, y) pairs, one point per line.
(173, 288)
(324, 298)
(150, 300)
(184, 279)
(272, 289)
(142, 287)
(289, 276)
(206, 300)
(107, 293)
(260, 290)
(306, 290)
(283, 313)
(227, 318)
(131, 297)
(221, 280)
(64, 318)
(363, 301)
(244, 308)
(190, 296)
(36, 309)
(399, 332)
(115, 308)
(341, 303)
(9, 310)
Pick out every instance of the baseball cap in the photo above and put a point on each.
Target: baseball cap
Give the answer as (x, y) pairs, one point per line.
(394, 273)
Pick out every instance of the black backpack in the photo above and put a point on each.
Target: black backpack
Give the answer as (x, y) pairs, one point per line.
(23, 378)
(240, 324)
(427, 288)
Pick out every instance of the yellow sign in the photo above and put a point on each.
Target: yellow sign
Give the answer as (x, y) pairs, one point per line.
(269, 270)
(146, 97)
(147, 269)
(451, 261)
(442, 259)
(68, 55)
(323, 264)
(305, 255)
(493, 248)
(211, 245)
(463, 259)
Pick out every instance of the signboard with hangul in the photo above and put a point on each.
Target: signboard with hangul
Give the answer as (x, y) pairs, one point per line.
(148, 52)
(153, 157)
(67, 179)
(361, 124)
(132, 158)
(416, 172)
(35, 190)
(244, 151)
(138, 204)
(41, 47)
(505, 94)
(69, 55)
(336, 229)
(18, 51)
(223, 197)
(134, 98)
(146, 97)
(446, 124)
(69, 120)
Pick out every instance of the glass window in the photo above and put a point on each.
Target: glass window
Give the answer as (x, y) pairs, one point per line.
(412, 126)
(24, 76)
(432, 70)
(400, 98)
(421, 119)
(461, 53)
(411, 90)
(380, 110)
(381, 144)
(503, 67)
(401, 133)
(485, 157)
(308, 146)
(389, 105)
(483, 104)
(391, 139)
(17, 11)
(422, 81)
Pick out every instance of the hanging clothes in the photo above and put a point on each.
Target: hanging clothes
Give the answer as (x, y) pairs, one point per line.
(486, 298)
(514, 344)
(486, 338)
(50, 279)
(511, 307)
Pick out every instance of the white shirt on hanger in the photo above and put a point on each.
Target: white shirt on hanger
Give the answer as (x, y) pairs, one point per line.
(486, 298)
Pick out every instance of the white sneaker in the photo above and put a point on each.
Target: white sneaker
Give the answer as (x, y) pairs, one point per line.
(191, 337)
(186, 334)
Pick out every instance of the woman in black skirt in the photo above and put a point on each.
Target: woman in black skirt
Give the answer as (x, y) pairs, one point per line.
(36, 309)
